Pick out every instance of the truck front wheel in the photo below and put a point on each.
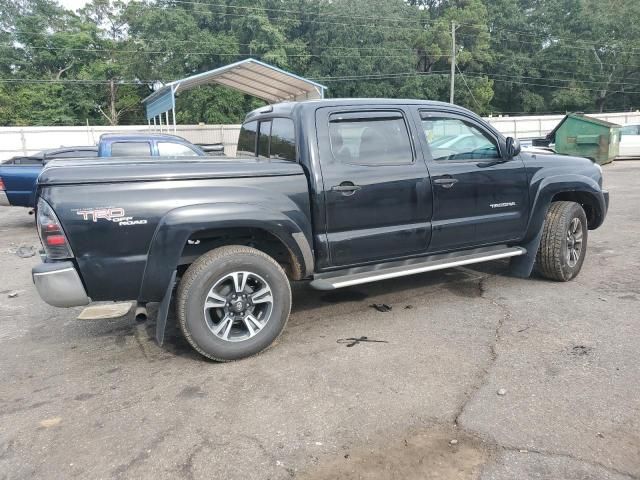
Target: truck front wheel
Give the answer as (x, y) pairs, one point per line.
(233, 302)
(563, 245)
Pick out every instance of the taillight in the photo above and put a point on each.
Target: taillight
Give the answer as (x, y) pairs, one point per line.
(2, 184)
(51, 234)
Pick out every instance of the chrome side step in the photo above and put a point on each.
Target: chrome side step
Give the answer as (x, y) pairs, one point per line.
(373, 273)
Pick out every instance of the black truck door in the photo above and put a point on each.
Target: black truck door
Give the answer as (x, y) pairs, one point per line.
(479, 196)
(377, 193)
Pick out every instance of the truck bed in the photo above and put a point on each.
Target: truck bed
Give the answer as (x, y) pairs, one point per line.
(111, 209)
(149, 169)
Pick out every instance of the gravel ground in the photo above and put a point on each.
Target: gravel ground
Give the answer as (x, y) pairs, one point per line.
(99, 399)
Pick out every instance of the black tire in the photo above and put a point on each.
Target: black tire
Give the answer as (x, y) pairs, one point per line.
(196, 322)
(556, 260)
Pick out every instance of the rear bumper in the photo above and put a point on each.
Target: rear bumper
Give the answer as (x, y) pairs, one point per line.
(4, 201)
(59, 284)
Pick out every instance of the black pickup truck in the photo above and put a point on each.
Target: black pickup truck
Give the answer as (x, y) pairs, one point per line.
(338, 192)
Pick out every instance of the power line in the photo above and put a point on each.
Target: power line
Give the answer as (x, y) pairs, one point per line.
(302, 55)
(495, 31)
(512, 79)
(375, 76)
(75, 81)
(469, 89)
(360, 17)
(201, 43)
(551, 42)
(377, 19)
(557, 79)
(212, 53)
(563, 87)
(515, 77)
(528, 54)
(481, 75)
(374, 18)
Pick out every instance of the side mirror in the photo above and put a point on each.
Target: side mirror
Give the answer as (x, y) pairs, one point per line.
(513, 147)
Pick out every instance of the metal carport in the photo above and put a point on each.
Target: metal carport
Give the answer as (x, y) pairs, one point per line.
(248, 76)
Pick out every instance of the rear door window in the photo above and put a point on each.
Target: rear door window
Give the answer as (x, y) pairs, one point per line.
(370, 138)
(131, 149)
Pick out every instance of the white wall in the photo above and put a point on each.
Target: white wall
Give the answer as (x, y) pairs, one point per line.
(28, 140)
(539, 126)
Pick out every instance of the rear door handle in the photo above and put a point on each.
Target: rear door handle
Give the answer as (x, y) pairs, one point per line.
(446, 182)
(346, 187)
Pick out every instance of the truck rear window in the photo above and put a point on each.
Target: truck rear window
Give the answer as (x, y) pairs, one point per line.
(130, 149)
(283, 139)
(276, 139)
(175, 149)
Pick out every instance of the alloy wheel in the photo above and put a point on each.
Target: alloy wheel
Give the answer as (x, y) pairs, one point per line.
(238, 306)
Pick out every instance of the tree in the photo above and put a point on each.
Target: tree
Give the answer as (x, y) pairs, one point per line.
(513, 56)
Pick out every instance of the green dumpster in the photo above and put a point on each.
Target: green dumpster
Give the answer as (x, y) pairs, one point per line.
(587, 137)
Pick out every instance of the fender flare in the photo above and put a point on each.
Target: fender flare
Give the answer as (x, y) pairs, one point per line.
(179, 224)
(548, 187)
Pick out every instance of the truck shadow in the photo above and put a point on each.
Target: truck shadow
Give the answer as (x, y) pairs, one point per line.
(401, 292)
(402, 289)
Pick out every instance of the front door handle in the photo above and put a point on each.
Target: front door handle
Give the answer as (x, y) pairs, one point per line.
(347, 188)
(446, 182)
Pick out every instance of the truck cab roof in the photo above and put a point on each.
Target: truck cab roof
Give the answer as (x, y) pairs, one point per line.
(288, 109)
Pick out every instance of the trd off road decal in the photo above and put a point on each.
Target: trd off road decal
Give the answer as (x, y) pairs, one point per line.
(111, 214)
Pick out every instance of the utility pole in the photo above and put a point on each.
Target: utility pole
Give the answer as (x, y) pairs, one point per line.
(453, 61)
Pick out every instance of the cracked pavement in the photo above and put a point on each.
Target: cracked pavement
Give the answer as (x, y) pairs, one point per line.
(99, 399)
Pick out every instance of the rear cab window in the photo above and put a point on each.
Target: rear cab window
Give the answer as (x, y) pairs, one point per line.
(73, 154)
(264, 132)
(268, 138)
(175, 149)
(283, 139)
(131, 149)
(247, 139)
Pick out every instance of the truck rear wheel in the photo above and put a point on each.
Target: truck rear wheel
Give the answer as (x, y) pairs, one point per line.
(233, 302)
(564, 242)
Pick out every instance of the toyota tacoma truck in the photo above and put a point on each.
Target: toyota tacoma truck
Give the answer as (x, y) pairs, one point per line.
(337, 192)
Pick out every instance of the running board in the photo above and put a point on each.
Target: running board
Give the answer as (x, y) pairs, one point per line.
(373, 273)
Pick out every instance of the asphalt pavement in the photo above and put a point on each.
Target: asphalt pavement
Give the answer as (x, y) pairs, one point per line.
(477, 375)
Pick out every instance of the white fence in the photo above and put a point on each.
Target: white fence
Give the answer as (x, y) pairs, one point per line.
(538, 126)
(29, 140)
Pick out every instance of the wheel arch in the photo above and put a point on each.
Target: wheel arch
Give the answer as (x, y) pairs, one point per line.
(589, 203)
(221, 224)
(570, 187)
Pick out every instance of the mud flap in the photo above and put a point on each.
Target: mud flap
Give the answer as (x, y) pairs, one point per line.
(163, 311)
(522, 265)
